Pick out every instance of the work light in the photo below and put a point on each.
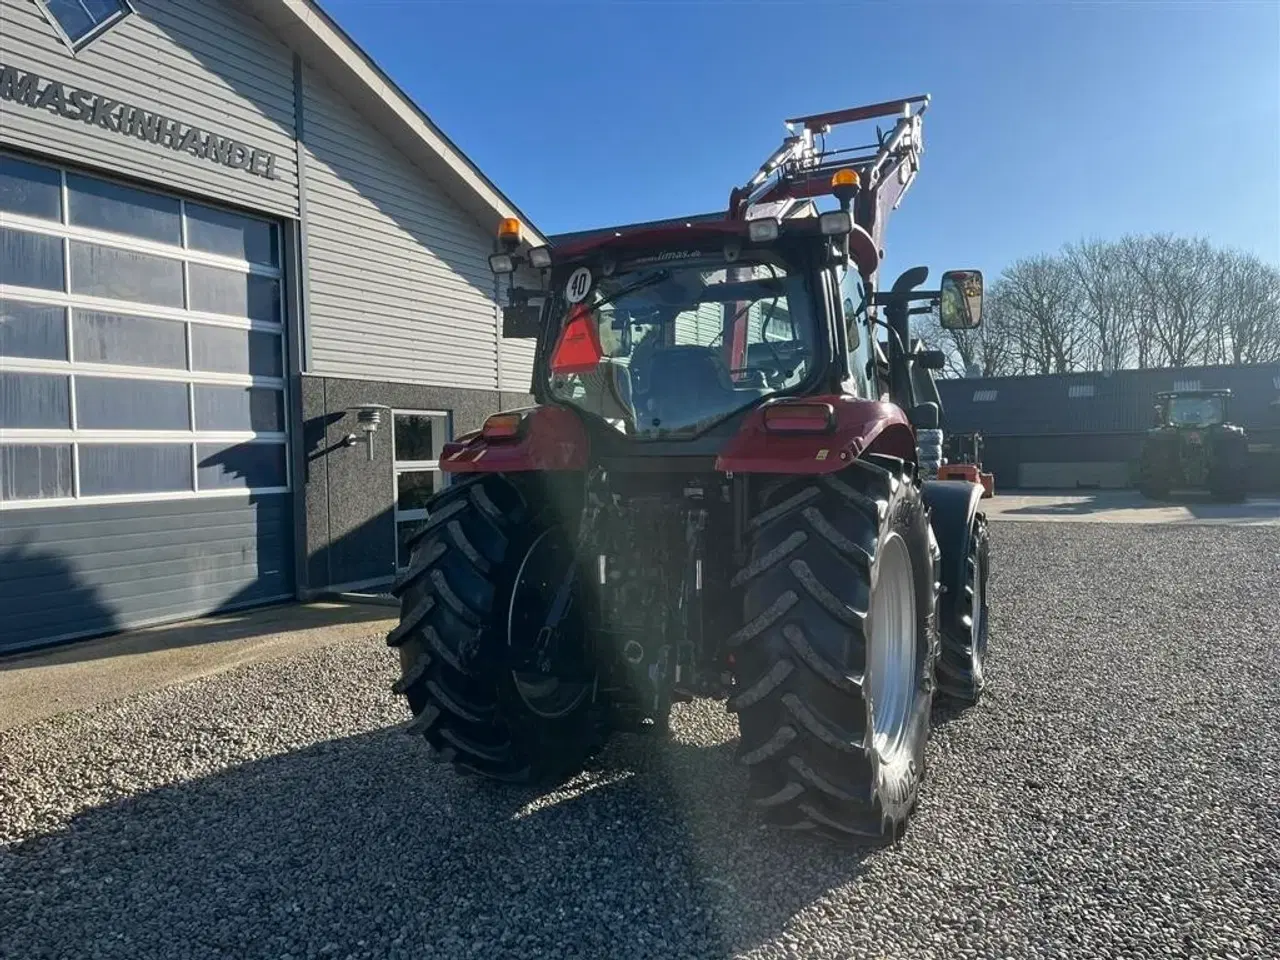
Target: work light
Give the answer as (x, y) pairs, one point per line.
(763, 230)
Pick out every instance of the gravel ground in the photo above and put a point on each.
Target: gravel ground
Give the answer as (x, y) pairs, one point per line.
(1116, 796)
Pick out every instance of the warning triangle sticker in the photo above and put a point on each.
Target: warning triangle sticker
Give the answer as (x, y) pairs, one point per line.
(578, 350)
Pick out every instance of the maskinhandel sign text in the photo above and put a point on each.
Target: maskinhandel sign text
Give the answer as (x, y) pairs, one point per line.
(128, 121)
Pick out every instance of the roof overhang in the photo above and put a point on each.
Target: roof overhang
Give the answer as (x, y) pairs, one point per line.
(327, 49)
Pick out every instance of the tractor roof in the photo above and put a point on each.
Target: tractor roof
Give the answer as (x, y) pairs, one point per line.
(1170, 394)
(699, 231)
(651, 233)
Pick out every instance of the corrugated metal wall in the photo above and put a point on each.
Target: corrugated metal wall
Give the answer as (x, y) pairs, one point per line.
(1066, 430)
(199, 62)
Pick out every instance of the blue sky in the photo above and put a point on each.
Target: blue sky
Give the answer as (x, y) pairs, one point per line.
(1050, 121)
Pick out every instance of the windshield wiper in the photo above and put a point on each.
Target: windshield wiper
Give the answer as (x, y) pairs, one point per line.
(638, 285)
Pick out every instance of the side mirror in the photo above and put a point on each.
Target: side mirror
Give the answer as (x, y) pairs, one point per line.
(1157, 415)
(960, 307)
(521, 321)
(930, 359)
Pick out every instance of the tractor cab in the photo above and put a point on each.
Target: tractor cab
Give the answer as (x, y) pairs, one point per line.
(677, 330)
(662, 343)
(1192, 409)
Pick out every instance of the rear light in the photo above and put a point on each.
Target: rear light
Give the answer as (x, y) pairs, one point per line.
(502, 426)
(799, 418)
(501, 263)
(540, 257)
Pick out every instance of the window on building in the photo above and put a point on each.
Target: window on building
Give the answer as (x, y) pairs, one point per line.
(417, 439)
(984, 396)
(79, 21)
(142, 353)
(1079, 390)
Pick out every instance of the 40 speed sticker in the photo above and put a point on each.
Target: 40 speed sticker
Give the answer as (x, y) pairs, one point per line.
(579, 285)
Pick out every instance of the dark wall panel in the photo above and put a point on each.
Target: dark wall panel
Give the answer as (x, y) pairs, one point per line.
(350, 519)
(84, 570)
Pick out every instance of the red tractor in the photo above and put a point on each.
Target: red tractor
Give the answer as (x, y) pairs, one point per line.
(716, 494)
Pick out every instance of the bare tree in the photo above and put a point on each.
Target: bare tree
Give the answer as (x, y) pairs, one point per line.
(1245, 327)
(1142, 301)
(1099, 274)
(1048, 333)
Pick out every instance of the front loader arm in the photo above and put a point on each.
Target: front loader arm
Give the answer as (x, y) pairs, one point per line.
(800, 170)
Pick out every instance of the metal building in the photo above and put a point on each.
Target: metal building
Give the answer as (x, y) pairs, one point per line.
(1063, 431)
(222, 231)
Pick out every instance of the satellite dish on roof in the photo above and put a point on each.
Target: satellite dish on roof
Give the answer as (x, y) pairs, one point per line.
(973, 371)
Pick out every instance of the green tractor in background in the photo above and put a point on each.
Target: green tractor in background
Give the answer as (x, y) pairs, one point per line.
(1193, 445)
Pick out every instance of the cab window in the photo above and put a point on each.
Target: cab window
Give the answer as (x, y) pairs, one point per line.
(855, 331)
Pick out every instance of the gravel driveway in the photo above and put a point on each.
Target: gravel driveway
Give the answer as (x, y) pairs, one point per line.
(1116, 796)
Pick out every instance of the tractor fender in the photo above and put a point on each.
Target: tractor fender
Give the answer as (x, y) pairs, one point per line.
(859, 427)
(549, 438)
(952, 506)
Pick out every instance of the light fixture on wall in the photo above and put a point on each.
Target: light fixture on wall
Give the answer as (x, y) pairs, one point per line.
(368, 419)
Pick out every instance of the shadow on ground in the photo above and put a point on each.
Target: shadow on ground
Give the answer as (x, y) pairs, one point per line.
(363, 847)
(248, 624)
(1198, 506)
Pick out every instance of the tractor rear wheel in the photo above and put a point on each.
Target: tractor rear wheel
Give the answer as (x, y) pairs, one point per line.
(499, 677)
(1229, 470)
(1153, 473)
(963, 624)
(834, 665)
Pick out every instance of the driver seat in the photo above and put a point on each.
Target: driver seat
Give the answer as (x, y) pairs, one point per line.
(686, 384)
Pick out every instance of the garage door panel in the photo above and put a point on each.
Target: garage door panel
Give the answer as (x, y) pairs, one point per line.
(52, 584)
(143, 468)
(162, 530)
(122, 605)
(235, 552)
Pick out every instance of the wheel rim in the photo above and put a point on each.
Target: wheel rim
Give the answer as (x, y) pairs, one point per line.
(551, 678)
(978, 619)
(892, 659)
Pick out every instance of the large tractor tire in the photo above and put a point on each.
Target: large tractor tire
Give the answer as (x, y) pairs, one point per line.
(963, 628)
(1154, 464)
(1229, 469)
(483, 576)
(834, 666)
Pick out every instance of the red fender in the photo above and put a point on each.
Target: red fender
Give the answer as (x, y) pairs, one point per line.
(548, 438)
(858, 427)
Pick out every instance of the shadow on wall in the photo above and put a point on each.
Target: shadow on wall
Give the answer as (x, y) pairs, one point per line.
(362, 847)
(93, 570)
(344, 494)
(39, 586)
